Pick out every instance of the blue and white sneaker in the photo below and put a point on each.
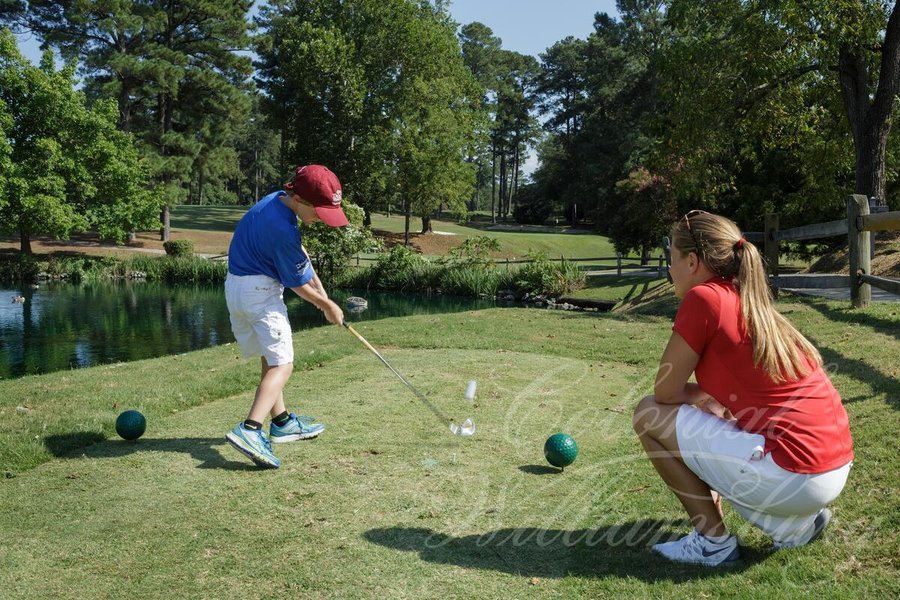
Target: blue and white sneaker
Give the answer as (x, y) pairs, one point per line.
(297, 428)
(696, 549)
(811, 534)
(254, 444)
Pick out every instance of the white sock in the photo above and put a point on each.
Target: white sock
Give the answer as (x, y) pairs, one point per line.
(717, 539)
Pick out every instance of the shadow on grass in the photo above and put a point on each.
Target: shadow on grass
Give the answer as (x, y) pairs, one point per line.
(540, 470)
(856, 317)
(94, 445)
(612, 551)
(208, 218)
(862, 372)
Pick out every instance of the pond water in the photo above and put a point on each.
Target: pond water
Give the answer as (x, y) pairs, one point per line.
(62, 326)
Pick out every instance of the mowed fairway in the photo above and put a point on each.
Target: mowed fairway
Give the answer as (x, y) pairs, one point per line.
(387, 504)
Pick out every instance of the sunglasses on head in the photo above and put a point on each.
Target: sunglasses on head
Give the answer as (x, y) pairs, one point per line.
(687, 222)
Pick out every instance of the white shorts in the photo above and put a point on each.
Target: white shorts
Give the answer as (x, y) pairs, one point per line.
(259, 318)
(731, 461)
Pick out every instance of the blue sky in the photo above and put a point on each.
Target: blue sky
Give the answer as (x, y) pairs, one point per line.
(526, 26)
(532, 26)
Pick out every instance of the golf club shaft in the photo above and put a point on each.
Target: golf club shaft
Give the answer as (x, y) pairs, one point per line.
(418, 394)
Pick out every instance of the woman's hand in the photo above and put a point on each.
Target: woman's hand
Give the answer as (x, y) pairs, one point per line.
(712, 406)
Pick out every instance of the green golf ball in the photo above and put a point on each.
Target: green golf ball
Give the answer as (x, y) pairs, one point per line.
(560, 450)
(130, 425)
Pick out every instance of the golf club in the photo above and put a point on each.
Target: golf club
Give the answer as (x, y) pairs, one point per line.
(466, 428)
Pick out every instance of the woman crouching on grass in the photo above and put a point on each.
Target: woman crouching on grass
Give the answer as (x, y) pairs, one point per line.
(763, 426)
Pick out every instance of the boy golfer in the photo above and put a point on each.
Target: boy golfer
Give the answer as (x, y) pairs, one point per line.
(266, 255)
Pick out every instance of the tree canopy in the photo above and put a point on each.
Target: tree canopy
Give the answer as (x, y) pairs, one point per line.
(66, 167)
(738, 106)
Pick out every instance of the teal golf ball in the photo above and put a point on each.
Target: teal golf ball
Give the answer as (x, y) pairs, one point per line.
(560, 450)
(130, 425)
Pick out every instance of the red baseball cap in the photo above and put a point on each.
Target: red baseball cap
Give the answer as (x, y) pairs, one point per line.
(319, 186)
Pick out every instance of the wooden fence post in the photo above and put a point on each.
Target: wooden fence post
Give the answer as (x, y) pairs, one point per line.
(875, 208)
(859, 251)
(770, 246)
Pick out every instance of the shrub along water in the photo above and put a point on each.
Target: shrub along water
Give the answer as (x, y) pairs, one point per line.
(543, 276)
(173, 269)
(179, 247)
(466, 272)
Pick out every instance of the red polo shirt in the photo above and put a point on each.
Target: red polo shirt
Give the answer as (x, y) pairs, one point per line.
(804, 423)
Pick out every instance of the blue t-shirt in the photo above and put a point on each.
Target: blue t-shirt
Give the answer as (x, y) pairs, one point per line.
(267, 242)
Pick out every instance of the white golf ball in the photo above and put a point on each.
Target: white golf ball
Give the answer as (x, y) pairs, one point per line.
(470, 390)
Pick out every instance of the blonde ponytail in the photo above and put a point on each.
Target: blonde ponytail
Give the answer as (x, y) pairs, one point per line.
(778, 348)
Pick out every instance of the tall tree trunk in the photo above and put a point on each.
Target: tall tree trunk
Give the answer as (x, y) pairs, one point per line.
(501, 200)
(870, 120)
(256, 170)
(493, 182)
(164, 219)
(161, 106)
(515, 183)
(124, 102)
(406, 221)
(870, 152)
(479, 181)
(426, 224)
(165, 105)
(510, 170)
(24, 243)
(367, 217)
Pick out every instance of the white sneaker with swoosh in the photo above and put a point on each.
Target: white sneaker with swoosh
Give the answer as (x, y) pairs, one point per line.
(696, 549)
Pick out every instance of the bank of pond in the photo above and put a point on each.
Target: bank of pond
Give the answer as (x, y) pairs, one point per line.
(71, 311)
(60, 326)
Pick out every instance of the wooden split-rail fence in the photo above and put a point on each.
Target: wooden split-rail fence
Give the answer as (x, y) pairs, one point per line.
(859, 225)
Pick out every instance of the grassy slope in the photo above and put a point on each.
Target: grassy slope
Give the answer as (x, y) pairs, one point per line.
(513, 243)
(205, 223)
(386, 503)
(224, 218)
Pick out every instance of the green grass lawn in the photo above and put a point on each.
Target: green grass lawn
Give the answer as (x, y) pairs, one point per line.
(225, 218)
(207, 218)
(512, 242)
(387, 504)
(621, 288)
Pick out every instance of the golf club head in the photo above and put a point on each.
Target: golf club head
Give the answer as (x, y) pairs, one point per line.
(466, 429)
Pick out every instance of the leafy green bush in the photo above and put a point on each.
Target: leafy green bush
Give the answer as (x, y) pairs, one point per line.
(465, 271)
(179, 269)
(331, 248)
(362, 278)
(532, 207)
(541, 276)
(95, 268)
(468, 270)
(473, 252)
(18, 267)
(404, 270)
(179, 248)
(461, 281)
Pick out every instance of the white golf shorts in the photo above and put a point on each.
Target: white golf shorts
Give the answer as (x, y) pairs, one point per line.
(259, 318)
(731, 461)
